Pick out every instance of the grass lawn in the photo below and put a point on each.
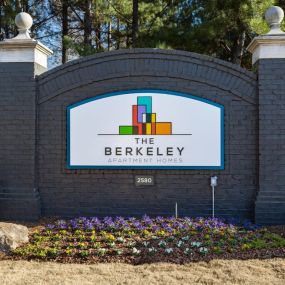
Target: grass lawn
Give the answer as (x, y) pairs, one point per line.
(242, 272)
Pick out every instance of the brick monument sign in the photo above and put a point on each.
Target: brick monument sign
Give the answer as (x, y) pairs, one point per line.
(137, 131)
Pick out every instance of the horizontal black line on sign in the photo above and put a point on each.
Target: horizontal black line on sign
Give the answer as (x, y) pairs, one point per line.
(144, 135)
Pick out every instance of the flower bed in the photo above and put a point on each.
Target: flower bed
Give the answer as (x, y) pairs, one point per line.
(148, 239)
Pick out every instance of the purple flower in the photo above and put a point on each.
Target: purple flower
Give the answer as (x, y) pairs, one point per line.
(172, 219)
(61, 224)
(138, 226)
(155, 228)
(50, 226)
(159, 219)
(88, 225)
(147, 219)
(119, 220)
(109, 223)
(132, 219)
(168, 229)
(74, 224)
(95, 220)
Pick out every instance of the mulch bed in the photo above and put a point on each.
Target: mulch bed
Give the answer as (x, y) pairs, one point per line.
(177, 257)
(251, 254)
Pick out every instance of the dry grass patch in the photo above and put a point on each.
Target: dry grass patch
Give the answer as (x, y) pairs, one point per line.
(270, 271)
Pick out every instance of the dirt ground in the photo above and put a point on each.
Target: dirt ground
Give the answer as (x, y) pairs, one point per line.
(270, 271)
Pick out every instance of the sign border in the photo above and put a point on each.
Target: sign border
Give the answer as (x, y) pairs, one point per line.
(158, 91)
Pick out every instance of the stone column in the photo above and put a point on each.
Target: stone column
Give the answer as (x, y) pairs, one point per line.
(21, 59)
(268, 55)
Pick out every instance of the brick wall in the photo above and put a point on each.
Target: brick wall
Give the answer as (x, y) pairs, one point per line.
(112, 192)
(270, 204)
(18, 193)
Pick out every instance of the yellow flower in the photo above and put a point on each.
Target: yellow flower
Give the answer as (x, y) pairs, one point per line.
(245, 247)
(146, 232)
(69, 251)
(109, 237)
(161, 233)
(82, 244)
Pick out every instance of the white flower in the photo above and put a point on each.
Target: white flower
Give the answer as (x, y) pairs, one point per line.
(180, 243)
(185, 238)
(170, 238)
(169, 250)
(187, 251)
(162, 243)
(203, 250)
(119, 252)
(190, 224)
(120, 239)
(152, 249)
(136, 251)
(196, 244)
(102, 251)
(131, 244)
(146, 243)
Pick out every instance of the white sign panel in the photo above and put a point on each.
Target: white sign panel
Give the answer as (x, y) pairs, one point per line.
(145, 129)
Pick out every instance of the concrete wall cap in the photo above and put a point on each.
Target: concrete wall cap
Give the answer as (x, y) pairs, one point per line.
(24, 50)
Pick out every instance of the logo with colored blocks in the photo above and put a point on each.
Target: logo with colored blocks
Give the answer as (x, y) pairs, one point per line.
(144, 121)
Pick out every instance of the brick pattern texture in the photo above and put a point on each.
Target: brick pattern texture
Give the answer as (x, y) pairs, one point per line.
(18, 194)
(270, 204)
(69, 193)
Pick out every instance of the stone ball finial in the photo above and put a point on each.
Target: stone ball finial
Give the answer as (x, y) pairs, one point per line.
(24, 22)
(274, 16)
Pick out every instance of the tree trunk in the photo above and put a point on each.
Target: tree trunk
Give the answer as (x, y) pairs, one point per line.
(1, 34)
(64, 13)
(135, 23)
(23, 5)
(26, 6)
(7, 29)
(238, 49)
(281, 3)
(128, 38)
(118, 35)
(19, 6)
(88, 23)
(109, 34)
(98, 36)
